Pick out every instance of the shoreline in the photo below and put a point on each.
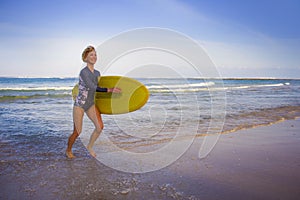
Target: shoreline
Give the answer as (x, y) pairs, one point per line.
(256, 163)
(216, 78)
(257, 125)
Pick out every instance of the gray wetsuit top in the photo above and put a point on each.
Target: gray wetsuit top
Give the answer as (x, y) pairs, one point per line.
(88, 82)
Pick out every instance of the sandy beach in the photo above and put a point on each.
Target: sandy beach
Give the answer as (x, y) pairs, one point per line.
(257, 163)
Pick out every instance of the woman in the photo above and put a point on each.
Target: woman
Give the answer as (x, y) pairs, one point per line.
(84, 102)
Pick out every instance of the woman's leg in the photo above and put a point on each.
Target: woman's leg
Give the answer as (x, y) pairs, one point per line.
(77, 118)
(95, 116)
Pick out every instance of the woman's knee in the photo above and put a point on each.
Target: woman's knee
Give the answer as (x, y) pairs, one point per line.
(99, 128)
(77, 129)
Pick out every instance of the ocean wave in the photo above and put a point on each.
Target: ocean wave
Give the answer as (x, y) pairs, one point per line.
(260, 117)
(11, 93)
(24, 97)
(258, 86)
(178, 90)
(192, 85)
(33, 89)
(209, 86)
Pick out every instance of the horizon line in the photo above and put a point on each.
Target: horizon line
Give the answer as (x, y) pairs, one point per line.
(219, 78)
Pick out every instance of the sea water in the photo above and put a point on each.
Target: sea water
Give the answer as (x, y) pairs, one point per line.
(36, 120)
(35, 111)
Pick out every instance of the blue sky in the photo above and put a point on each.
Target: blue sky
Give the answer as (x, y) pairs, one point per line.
(250, 38)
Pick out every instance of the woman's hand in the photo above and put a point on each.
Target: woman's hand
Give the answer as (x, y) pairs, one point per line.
(114, 90)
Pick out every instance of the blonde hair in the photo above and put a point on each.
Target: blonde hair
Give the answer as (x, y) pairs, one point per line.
(86, 52)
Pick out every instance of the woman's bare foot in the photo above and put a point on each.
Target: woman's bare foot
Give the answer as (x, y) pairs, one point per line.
(69, 154)
(92, 152)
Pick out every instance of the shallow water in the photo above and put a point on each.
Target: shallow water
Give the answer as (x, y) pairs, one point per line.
(42, 107)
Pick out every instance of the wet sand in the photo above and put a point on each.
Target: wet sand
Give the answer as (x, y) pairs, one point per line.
(257, 163)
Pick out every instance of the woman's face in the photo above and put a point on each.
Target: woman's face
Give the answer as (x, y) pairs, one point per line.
(91, 57)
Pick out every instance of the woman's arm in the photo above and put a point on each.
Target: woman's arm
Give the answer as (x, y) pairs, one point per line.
(112, 90)
(100, 89)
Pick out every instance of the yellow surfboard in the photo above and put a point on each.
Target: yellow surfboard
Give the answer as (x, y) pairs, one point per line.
(134, 95)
